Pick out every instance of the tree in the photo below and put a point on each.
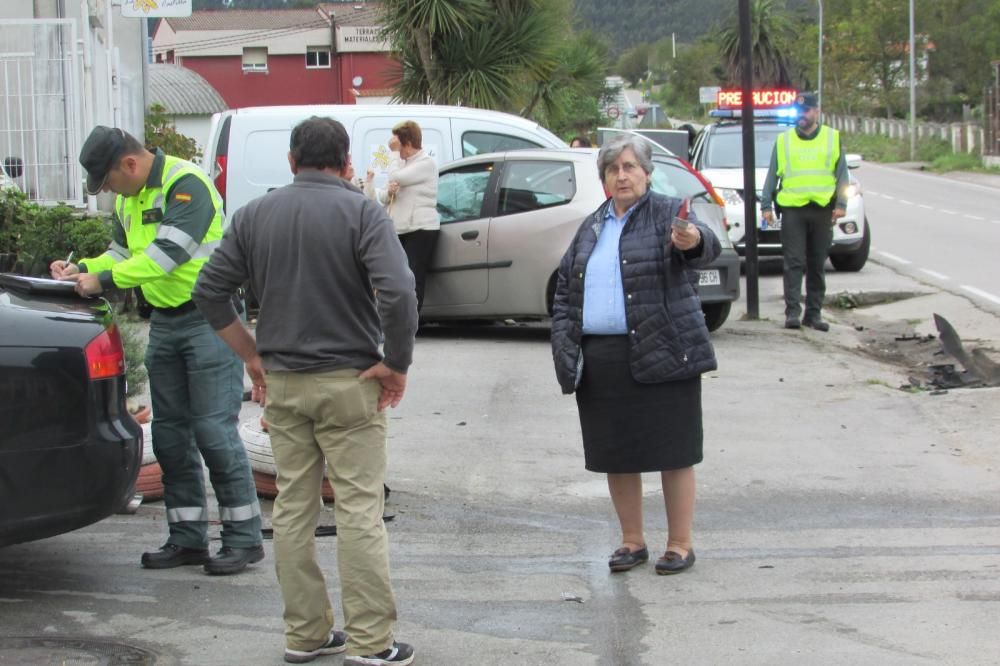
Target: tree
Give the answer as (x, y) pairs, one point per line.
(161, 133)
(633, 64)
(569, 96)
(696, 65)
(868, 60)
(509, 55)
(771, 35)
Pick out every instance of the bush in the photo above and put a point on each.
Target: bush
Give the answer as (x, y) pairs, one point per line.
(36, 235)
(880, 148)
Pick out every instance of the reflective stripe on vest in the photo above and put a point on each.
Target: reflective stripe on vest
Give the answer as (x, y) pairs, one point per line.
(806, 167)
(175, 285)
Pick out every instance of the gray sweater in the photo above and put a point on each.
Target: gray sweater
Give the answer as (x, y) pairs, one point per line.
(316, 253)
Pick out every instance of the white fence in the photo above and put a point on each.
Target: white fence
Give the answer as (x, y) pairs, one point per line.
(963, 137)
(40, 108)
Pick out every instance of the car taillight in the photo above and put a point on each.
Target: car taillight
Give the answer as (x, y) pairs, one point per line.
(105, 355)
(220, 175)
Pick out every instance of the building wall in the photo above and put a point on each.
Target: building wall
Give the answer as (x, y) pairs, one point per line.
(287, 81)
(377, 71)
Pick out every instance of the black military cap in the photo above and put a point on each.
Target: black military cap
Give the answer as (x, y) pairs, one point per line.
(98, 155)
(807, 100)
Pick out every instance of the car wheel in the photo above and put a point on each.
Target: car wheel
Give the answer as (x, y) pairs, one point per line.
(716, 314)
(855, 261)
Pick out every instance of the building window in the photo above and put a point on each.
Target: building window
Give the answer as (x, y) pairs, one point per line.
(317, 57)
(255, 59)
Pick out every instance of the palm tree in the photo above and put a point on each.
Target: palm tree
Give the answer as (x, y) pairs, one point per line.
(771, 37)
(498, 54)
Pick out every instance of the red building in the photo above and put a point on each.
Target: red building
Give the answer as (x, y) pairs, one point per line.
(323, 55)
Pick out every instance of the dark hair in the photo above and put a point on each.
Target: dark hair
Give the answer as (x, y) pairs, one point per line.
(320, 143)
(582, 140)
(408, 133)
(130, 146)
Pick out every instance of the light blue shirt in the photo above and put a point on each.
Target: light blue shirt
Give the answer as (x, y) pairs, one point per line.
(603, 295)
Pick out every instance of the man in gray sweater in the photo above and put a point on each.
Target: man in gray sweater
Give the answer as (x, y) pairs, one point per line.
(329, 271)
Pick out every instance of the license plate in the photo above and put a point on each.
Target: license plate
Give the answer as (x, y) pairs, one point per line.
(709, 278)
(773, 226)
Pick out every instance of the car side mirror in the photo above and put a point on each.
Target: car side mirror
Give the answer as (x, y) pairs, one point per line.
(853, 160)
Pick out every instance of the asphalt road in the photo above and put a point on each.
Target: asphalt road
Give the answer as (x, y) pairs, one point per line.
(939, 230)
(840, 521)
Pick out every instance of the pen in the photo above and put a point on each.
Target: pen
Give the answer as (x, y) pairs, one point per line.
(69, 257)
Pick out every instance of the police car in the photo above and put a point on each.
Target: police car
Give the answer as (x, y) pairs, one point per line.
(718, 155)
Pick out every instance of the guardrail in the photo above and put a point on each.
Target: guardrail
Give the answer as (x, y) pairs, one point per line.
(964, 137)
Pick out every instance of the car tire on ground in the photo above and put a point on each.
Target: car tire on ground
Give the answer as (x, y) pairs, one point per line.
(855, 261)
(716, 314)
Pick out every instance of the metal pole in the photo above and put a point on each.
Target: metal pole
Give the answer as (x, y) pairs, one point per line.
(749, 186)
(913, 91)
(819, 83)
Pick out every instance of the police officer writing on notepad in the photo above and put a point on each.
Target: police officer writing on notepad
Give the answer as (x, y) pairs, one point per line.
(809, 163)
(167, 220)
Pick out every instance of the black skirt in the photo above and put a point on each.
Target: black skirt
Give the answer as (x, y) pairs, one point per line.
(630, 427)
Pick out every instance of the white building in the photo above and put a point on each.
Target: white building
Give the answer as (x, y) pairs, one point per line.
(65, 66)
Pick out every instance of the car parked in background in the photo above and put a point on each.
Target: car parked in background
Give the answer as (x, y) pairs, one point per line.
(508, 218)
(69, 450)
(718, 155)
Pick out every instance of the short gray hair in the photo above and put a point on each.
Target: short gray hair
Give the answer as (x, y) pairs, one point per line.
(613, 149)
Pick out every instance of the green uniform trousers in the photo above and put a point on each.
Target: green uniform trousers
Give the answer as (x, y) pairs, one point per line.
(806, 234)
(196, 385)
(330, 419)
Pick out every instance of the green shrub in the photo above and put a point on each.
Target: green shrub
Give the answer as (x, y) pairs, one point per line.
(52, 232)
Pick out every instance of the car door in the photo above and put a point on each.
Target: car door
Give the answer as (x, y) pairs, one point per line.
(458, 276)
(537, 214)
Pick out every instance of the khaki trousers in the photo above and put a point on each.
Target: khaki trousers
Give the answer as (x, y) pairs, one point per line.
(332, 416)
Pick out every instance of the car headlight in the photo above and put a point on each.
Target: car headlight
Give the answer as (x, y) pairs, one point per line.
(853, 190)
(730, 196)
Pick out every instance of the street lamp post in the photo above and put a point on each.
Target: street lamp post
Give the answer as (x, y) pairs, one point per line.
(819, 82)
(913, 90)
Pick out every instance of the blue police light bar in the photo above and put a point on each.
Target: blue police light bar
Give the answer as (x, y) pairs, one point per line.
(783, 113)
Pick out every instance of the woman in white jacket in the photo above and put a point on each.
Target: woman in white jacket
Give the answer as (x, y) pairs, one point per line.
(411, 199)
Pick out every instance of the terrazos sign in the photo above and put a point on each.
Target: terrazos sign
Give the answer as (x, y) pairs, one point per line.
(762, 99)
(156, 8)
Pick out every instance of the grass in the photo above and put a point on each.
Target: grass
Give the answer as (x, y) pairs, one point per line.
(936, 152)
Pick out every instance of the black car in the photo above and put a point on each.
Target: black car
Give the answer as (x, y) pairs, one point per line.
(69, 449)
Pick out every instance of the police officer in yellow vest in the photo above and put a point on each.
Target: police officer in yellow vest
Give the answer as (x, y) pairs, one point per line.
(167, 220)
(810, 174)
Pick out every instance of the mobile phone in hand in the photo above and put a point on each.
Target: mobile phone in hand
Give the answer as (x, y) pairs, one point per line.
(681, 220)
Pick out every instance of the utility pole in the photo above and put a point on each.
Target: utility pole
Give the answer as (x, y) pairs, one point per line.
(913, 90)
(749, 186)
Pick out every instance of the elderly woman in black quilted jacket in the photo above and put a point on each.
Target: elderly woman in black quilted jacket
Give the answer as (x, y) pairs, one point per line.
(629, 338)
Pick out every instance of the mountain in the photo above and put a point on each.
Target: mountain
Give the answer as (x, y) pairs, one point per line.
(626, 23)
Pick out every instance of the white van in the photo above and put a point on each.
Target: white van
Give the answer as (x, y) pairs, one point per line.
(247, 148)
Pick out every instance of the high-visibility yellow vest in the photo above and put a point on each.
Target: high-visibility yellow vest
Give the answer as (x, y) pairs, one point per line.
(807, 168)
(164, 281)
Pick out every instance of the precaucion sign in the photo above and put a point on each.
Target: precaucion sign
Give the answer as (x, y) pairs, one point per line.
(156, 8)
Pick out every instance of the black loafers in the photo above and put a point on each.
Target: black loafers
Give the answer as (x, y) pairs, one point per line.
(233, 560)
(624, 559)
(171, 555)
(672, 563)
